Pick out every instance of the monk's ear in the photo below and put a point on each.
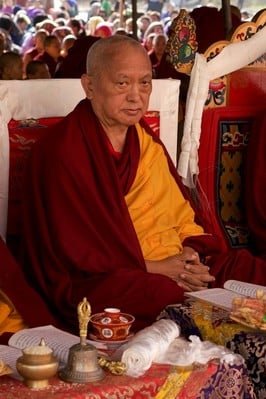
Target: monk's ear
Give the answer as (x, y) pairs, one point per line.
(86, 82)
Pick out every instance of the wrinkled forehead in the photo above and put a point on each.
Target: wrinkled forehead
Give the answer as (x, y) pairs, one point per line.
(123, 48)
(116, 56)
(128, 53)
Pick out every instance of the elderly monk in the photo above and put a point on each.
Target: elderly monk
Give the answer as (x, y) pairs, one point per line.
(106, 216)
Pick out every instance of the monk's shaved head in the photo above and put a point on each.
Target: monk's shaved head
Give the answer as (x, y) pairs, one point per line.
(103, 52)
(118, 82)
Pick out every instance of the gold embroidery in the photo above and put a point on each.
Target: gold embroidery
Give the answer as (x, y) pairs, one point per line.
(173, 385)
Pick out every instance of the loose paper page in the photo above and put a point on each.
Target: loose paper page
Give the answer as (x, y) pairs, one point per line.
(9, 356)
(58, 340)
(245, 289)
(216, 296)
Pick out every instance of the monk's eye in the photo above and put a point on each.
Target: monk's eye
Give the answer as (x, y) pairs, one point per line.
(122, 84)
(146, 83)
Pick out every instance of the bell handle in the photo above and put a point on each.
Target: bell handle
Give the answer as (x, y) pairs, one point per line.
(84, 313)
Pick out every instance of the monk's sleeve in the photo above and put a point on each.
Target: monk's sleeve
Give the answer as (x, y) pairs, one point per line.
(192, 235)
(55, 242)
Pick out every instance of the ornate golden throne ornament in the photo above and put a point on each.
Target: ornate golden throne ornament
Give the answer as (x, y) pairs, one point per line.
(182, 45)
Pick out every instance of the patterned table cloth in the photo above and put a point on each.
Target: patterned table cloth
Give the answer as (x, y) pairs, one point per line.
(160, 382)
(211, 323)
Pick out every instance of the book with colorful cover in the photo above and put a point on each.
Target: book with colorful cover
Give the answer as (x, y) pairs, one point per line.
(222, 297)
(245, 302)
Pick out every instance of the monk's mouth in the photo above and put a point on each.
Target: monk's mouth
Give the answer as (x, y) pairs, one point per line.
(132, 111)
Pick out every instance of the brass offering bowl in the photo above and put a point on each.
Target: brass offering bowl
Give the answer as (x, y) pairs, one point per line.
(37, 365)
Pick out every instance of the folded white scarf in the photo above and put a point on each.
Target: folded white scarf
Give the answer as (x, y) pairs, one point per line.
(161, 343)
(147, 346)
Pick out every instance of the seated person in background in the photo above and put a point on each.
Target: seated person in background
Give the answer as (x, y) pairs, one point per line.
(37, 49)
(103, 30)
(154, 27)
(48, 24)
(37, 69)
(105, 214)
(155, 16)
(76, 27)
(51, 54)
(147, 41)
(12, 32)
(143, 22)
(62, 31)
(28, 40)
(74, 64)
(158, 48)
(21, 307)
(66, 44)
(92, 24)
(11, 66)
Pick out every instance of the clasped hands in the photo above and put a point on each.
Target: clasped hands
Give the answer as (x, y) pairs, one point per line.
(186, 269)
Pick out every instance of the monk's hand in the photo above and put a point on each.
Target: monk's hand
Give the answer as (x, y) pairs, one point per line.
(190, 256)
(171, 267)
(185, 268)
(195, 275)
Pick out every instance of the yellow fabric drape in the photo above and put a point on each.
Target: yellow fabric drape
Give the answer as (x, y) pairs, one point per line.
(173, 385)
(161, 216)
(10, 320)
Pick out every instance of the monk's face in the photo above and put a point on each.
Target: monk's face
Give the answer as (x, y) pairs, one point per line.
(120, 93)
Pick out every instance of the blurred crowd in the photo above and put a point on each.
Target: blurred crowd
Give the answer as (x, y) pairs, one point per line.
(35, 41)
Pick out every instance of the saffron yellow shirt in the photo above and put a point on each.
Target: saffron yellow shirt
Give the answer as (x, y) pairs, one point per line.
(161, 216)
(10, 320)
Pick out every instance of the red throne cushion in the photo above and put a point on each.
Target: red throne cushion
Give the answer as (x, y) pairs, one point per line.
(222, 153)
(247, 87)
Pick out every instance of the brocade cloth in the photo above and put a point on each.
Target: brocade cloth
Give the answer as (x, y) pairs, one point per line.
(160, 382)
(213, 324)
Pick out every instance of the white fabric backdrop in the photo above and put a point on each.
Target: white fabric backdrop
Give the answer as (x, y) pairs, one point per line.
(57, 97)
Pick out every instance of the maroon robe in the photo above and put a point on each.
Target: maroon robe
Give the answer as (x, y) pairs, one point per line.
(74, 64)
(26, 300)
(50, 61)
(210, 26)
(79, 237)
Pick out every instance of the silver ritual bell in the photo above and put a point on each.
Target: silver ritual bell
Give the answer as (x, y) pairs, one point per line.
(82, 365)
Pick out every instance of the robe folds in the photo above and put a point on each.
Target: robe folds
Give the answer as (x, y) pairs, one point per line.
(20, 305)
(79, 238)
